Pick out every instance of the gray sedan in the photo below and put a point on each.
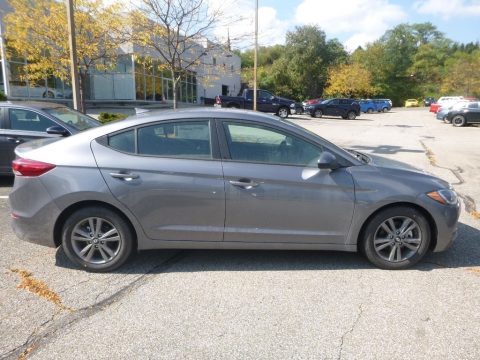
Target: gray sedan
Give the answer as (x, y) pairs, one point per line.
(223, 179)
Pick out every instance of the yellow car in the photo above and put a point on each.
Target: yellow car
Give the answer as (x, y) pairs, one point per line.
(411, 103)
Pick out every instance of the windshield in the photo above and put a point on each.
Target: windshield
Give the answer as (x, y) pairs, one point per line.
(326, 101)
(73, 118)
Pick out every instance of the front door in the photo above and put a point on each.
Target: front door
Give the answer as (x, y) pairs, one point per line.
(275, 191)
(170, 178)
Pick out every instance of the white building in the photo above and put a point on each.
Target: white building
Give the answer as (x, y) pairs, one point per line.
(134, 79)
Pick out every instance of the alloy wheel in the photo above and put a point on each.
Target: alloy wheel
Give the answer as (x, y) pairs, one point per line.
(397, 239)
(96, 240)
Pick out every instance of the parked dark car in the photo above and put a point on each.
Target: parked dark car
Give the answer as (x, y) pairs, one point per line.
(25, 121)
(266, 102)
(428, 101)
(206, 179)
(470, 114)
(346, 108)
(308, 103)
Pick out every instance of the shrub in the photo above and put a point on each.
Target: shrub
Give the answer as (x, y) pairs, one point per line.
(106, 117)
(3, 97)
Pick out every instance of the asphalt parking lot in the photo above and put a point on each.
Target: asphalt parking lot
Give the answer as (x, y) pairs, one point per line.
(262, 304)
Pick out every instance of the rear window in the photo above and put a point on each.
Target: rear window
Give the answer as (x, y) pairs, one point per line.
(73, 118)
(124, 141)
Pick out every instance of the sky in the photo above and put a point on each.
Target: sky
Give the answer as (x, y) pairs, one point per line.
(353, 22)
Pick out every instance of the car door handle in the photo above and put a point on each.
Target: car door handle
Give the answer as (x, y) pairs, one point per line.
(244, 183)
(15, 140)
(124, 176)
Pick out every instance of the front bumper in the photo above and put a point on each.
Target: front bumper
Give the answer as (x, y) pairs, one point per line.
(446, 222)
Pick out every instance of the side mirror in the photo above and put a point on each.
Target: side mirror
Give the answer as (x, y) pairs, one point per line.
(328, 161)
(57, 130)
(272, 98)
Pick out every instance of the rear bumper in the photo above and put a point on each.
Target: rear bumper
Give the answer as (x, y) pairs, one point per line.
(33, 212)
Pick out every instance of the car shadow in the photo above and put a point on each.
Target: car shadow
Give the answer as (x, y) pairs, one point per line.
(464, 252)
(385, 149)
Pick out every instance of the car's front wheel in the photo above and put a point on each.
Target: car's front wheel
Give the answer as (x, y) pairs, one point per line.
(97, 239)
(459, 121)
(283, 112)
(318, 113)
(396, 238)
(351, 115)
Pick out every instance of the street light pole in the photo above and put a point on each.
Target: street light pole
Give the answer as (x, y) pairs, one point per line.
(73, 55)
(255, 59)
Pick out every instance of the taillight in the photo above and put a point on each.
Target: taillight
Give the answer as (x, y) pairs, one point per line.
(26, 167)
(217, 100)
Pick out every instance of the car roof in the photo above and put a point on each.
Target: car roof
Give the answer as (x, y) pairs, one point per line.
(39, 105)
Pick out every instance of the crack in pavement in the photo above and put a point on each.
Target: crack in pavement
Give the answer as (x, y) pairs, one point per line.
(47, 330)
(354, 324)
(470, 206)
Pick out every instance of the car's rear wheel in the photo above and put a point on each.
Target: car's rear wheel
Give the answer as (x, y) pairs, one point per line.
(97, 239)
(283, 112)
(385, 109)
(351, 115)
(370, 111)
(446, 121)
(318, 113)
(396, 238)
(459, 121)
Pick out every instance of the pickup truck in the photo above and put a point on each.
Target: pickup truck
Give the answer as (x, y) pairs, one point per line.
(266, 102)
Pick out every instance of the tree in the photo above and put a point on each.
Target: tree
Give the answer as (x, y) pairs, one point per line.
(349, 80)
(38, 30)
(461, 74)
(171, 30)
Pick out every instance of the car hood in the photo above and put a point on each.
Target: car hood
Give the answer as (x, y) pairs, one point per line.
(383, 162)
(285, 100)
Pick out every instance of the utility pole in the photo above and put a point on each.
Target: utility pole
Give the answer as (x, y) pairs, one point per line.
(255, 59)
(73, 55)
(3, 53)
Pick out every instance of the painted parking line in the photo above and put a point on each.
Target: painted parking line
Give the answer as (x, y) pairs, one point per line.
(3, 196)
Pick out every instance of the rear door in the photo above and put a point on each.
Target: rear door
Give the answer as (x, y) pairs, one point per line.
(170, 177)
(6, 147)
(275, 191)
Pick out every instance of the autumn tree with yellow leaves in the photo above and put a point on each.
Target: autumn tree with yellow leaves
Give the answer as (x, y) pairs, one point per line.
(38, 31)
(350, 80)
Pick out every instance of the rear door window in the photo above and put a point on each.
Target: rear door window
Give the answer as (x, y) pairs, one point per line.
(185, 139)
(27, 120)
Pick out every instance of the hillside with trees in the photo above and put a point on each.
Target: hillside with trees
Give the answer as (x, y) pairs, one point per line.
(408, 61)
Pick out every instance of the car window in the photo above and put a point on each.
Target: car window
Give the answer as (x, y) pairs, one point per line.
(264, 95)
(473, 105)
(21, 119)
(266, 145)
(124, 141)
(178, 139)
(335, 102)
(73, 118)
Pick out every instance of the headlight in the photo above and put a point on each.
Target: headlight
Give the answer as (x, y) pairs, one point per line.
(444, 196)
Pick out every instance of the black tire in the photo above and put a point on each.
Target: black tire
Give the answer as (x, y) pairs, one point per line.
(446, 121)
(374, 228)
(351, 115)
(370, 111)
(233, 106)
(121, 249)
(48, 94)
(385, 110)
(318, 113)
(459, 121)
(283, 112)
